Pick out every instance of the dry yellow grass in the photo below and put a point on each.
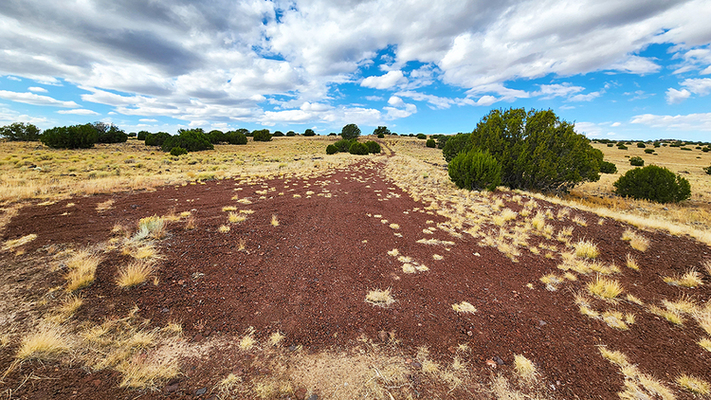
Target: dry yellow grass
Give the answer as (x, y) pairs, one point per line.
(133, 274)
(525, 368)
(236, 218)
(46, 344)
(690, 279)
(140, 373)
(694, 385)
(705, 343)
(274, 221)
(586, 249)
(669, 315)
(637, 241)
(379, 297)
(82, 268)
(11, 244)
(632, 263)
(223, 229)
(150, 227)
(604, 288)
(464, 307)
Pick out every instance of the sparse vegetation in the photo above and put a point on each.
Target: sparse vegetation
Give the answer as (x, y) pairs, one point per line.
(604, 288)
(380, 298)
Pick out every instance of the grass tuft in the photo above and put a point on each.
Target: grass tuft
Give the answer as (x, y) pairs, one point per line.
(694, 385)
(381, 298)
(586, 249)
(614, 356)
(223, 229)
(140, 373)
(276, 338)
(275, 221)
(153, 227)
(11, 244)
(236, 218)
(606, 289)
(134, 274)
(43, 345)
(671, 316)
(464, 307)
(632, 263)
(525, 368)
(705, 343)
(690, 279)
(637, 241)
(82, 268)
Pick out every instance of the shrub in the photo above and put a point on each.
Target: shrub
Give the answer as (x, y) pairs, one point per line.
(653, 183)
(190, 140)
(649, 151)
(381, 136)
(278, 134)
(350, 131)
(309, 132)
(373, 147)
(142, 135)
(156, 139)
(610, 145)
(431, 143)
(236, 137)
(475, 170)
(332, 134)
(706, 149)
(178, 151)
(343, 145)
(536, 150)
(685, 149)
(708, 170)
(358, 148)
(262, 135)
(70, 137)
(132, 134)
(636, 161)
(442, 141)
(109, 133)
(607, 167)
(656, 144)
(331, 149)
(381, 130)
(216, 136)
(641, 145)
(421, 136)
(621, 146)
(455, 145)
(291, 133)
(20, 132)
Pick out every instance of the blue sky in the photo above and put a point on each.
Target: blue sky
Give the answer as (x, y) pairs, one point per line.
(619, 69)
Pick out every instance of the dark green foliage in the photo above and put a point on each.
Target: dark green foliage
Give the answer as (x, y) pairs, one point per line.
(381, 136)
(156, 139)
(676, 144)
(142, 135)
(706, 149)
(708, 170)
(20, 132)
(262, 135)
(343, 145)
(610, 145)
(216, 136)
(381, 130)
(641, 145)
(621, 146)
(653, 183)
(331, 149)
(132, 134)
(649, 151)
(189, 139)
(309, 132)
(536, 150)
(431, 143)
(70, 137)
(278, 134)
(636, 161)
(291, 133)
(607, 167)
(475, 170)
(455, 145)
(373, 147)
(421, 136)
(359, 149)
(332, 134)
(350, 131)
(442, 141)
(236, 137)
(656, 144)
(109, 133)
(178, 151)
(685, 149)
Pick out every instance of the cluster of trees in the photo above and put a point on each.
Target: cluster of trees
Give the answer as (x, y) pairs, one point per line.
(350, 144)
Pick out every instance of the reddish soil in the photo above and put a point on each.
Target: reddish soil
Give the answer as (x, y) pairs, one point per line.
(308, 277)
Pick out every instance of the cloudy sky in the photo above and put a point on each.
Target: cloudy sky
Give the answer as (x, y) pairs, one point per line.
(620, 69)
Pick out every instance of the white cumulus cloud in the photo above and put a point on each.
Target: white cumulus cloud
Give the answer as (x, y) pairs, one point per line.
(386, 81)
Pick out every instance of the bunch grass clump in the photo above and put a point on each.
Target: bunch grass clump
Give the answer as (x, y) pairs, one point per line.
(637, 241)
(604, 288)
(46, 344)
(525, 368)
(586, 249)
(134, 274)
(694, 385)
(381, 298)
(150, 227)
(464, 307)
(82, 269)
(690, 279)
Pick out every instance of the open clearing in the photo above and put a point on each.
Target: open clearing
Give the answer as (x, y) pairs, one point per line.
(299, 274)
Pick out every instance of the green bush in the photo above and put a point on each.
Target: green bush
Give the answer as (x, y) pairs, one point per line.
(331, 149)
(621, 146)
(641, 145)
(343, 145)
(610, 145)
(421, 136)
(607, 167)
(109, 133)
(262, 135)
(70, 137)
(359, 149)
(649, 151)
(656, 145)
(350, 131)
(636, 161)
(279, 134)
(190, 140)
(156, 139)
(455, 145)
(142, 135)
(216, 136)
(236, 137)
(20, 132)
(431, 143)
(708, 170)
(178, 151)
(381, 136)
(442, 141)
(536, 150)
(475, 170)
(373, 147)
(381, 130)
(291, 133)
(653, 183)
(706, 149)
(309, 132)
(685, 149)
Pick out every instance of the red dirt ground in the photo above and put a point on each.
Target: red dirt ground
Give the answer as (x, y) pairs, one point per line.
(308, 277)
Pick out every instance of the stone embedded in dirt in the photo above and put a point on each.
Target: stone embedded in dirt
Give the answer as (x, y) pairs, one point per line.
(491, 363)
(498, 360)
(300, 393)
(200, 392)
(313, 397)
(383, 336)
(171, 388)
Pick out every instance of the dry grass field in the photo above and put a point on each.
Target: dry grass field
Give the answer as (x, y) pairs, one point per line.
(274, 271)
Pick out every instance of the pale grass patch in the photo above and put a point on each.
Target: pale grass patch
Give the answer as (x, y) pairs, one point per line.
(236, 218)
(604, 288)
(637, 241)
(134, 274)
(140, 373)
(190, 224)
(671, 316)
(153, 226)
(464, 307)
(703, 318)
(82, 267)
(586, 249)
(229, 385)
(580, 221)
(104, 206)
(562, 213)
(241, 245)
(570, 276)
(381, 298)
(223, 229)
(408, 268)
(274, 221)
(525, 368)
(11, 244)
(435, 242)
(393, 252)
(276, 338)
(551, 281)
(247, 342)
(539, 221)
(384, 221)
(246, 212)
(632, 263)
(615, 319)
(683, 305)
(394, 226)
(229, 208)
(185, 214)
(70, 305)
(244, 201)
(46, 344)
(613, 356)
(690, 279)
(694, 385)
(633, 299)
(437, 257)
(705, 343)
